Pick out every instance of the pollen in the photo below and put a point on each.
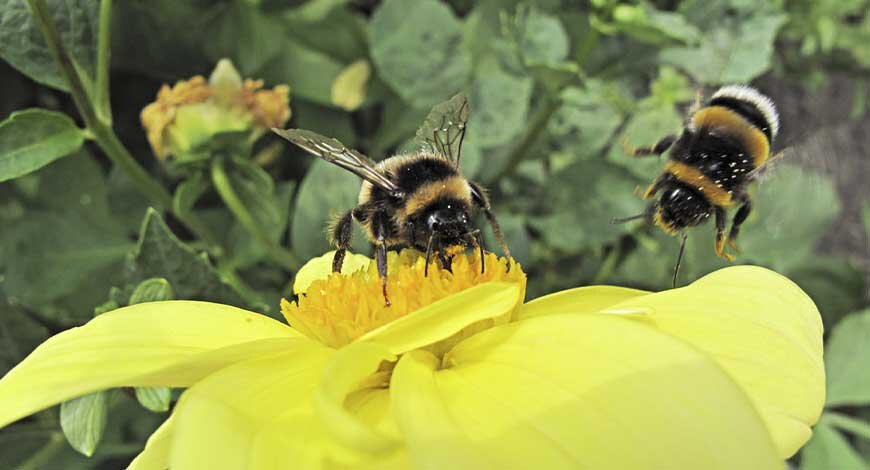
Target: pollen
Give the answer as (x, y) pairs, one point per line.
(342, 307)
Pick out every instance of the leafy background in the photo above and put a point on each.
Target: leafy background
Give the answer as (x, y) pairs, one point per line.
(555, 87)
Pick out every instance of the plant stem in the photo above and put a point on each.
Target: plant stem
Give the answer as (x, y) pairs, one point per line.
(538, 124)
(225, 189)
(102, 132)
(847, 423)
(38, 460)
(104, 40)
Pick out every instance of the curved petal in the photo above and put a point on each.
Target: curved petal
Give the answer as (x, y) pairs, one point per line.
(155, 456)
(764, 331)
(589, 299)
(446, 317)
(248, 412)
(151, 344)
(321, 268)
(576, 391)
(346, 373)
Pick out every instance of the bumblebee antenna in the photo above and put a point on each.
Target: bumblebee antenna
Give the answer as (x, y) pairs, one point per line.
(680, 258)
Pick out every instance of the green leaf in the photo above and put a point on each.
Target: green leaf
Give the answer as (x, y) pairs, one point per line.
(159, 253)
(243, 34)
(729, 54)
(584, 197)
(188, 192)
(23, 46)
(314, 10)
(156, 399)
(647, 24)
(586, 120)
(83, 421)
(416, 48)
(326, 193)
(846, 357)
(256, 190)
(499, 106)
(866, 217)
(540, 37)
(309, 72)
(829, 450)
(155, 289)
(835, 285)
(33, 138)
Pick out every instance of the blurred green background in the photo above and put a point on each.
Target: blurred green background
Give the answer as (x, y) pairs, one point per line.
(555, 87)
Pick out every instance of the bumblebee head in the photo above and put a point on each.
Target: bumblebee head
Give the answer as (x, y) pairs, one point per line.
(679, 207)
(750, 104)
(446, 220)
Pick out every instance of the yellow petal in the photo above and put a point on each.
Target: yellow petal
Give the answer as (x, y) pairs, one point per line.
(150, 344)
(227, 420)
(321, 268)
(346, 373)
(446, 317)
(155, 456)
(576, 391)
(589, 299)
(764, 331)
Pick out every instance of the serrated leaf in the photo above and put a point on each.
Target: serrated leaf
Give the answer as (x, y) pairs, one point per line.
(23, 46)
(159, 253)
(326, 192)
(33, 138)
(83, 421)
(416, 46)
(156, 399)
(846, 358)
(725, 55)
(155, 289)
(829, 450)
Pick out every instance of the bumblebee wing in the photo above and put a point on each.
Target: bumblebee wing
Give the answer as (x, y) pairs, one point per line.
(336, 153)
(763, 172)
(444, 128)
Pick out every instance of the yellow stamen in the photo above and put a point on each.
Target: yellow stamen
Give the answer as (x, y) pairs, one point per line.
(343, 307)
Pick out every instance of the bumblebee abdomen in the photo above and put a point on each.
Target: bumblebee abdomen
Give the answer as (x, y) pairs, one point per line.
(719, 121)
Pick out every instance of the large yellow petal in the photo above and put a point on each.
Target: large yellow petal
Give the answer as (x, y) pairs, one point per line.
(763, 330)
(321, 267)
(447, 317)
(151, 344)
(246, 415)
(589, 299)
(576, 391)
(155, 456)
(346, 373)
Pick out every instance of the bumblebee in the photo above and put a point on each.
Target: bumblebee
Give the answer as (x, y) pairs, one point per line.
(724, 144)
(418, 200)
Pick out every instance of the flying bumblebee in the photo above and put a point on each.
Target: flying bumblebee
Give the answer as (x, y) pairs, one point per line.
(710, 165)
(418, 200)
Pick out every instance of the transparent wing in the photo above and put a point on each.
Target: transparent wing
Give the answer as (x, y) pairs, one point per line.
(336, 153)
(764, 171)
(444, 128)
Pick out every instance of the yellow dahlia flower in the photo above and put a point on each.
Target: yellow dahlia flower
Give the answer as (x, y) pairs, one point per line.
(725, 373)
(193, 111)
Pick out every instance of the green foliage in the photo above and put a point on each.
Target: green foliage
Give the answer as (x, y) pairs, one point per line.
(33, 138)
(91, 222)
(83, 421)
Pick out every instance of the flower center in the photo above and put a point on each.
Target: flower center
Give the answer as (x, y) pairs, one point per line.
(342, 307)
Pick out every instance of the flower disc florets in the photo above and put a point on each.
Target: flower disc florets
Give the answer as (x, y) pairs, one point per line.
(343, 307)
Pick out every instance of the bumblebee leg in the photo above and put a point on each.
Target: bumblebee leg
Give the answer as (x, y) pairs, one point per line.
(659, 148)
(657, 185)
(720, 235)
(341, 234)
(739, 218)
(381, 254)
(479, 198)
